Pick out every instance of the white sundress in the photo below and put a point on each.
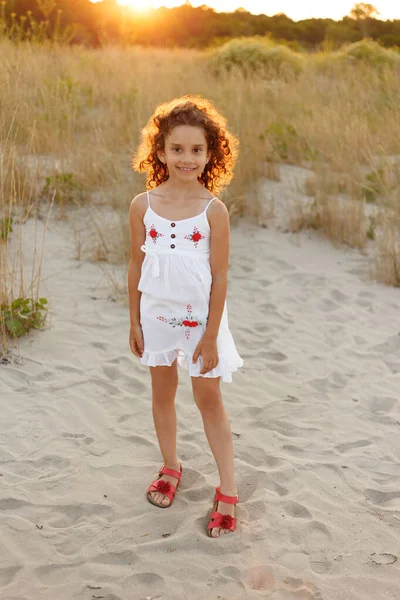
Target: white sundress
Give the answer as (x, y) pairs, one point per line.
(175, 283)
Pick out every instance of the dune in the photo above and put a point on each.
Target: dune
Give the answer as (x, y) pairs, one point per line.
(315, 416)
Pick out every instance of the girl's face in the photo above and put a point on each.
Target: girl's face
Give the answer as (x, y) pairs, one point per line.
(185, 152)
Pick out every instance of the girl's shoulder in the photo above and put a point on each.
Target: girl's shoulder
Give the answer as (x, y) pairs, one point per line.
(218, 217)
(140, 199)
(217, 208)
(138, 206)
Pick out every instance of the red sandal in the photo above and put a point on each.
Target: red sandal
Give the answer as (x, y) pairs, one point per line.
(164, 487)
(217, 519)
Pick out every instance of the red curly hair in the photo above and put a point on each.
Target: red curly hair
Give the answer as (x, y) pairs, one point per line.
(188, 110)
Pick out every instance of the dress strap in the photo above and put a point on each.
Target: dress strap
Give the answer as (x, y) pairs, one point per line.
(148, 198)
(212, 199)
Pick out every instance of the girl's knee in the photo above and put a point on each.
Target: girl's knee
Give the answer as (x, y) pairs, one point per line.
(164, 383)
(206, 384)
(206, 393)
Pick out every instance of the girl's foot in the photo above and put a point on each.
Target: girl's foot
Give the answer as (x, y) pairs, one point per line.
(162, 491)
(222, 519)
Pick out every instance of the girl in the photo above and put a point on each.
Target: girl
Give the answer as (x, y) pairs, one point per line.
(177, 283)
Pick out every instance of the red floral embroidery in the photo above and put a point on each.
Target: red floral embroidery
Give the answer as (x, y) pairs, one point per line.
(190, 323)
(187, 322)
(195, 237)
(154, 234)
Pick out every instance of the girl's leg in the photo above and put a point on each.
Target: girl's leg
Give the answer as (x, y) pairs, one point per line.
(164, 383)
(207, 395)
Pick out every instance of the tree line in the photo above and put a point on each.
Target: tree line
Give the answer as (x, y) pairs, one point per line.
(185, 26)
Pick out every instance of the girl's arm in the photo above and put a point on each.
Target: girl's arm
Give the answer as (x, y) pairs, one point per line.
(137, 236)
(218, 218)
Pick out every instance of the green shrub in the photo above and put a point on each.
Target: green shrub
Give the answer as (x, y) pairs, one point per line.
(257, 55)
(372, 227)
(381, 182)
(22, 315)
(365, 53)
(64, 188)
(6, 227)
(373, 186)
(287, 144)
(370, 53)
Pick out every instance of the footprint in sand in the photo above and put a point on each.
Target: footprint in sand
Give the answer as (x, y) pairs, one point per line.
(391, 346)
(255, 510)
(300, 590)
(385, 499)
(291, 399)
(384, 404)
(124, 557)
(351, 445)
(394, 367)
(7, 574)
(54, 573)
(275, 487)
(274, 356)
(256, 457)
(294, 509)
(100, 345)
(254, 411)
(318, 539)
(248, 484)
(339, 296)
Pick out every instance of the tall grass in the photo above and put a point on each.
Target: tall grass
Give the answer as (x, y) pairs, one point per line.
(27, 28)
(86, 108)
(21, 307)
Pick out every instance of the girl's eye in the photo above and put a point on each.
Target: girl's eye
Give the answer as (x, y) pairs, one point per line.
(197, 150)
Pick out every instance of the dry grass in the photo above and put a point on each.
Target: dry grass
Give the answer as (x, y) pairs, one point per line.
(21, 307)
(85, 109)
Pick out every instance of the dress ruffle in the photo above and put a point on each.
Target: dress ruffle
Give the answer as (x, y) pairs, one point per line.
(226, 366)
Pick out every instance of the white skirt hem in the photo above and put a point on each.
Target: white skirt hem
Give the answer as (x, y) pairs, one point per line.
(226, 366)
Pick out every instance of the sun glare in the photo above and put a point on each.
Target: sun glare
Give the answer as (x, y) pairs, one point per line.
(139, 5)
(292, 8)
(144, 5)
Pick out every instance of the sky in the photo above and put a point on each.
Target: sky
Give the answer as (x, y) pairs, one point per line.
(295, 9)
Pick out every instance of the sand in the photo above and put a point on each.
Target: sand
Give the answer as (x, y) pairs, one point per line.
(315, 418)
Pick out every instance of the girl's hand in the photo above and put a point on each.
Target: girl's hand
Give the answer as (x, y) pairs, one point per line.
(208, 349)
(136, 340)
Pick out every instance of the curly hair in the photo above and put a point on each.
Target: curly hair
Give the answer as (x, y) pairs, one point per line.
(188, 110)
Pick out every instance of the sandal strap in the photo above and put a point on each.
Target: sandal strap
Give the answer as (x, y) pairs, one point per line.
(228, 499)
(166, 471)
(217, 519)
